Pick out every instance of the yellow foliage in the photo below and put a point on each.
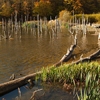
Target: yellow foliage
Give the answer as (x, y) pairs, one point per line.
(64, 15)
(36, 4)
(25, 3)
(4, 5)
(6, 9)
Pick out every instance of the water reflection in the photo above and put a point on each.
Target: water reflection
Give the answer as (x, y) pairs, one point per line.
(48, 92)
(29, 53)
(98, 43)
(84, 41)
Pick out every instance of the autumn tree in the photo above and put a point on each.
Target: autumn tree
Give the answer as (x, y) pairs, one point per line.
(57, 6)
(27, 7)
(83, 6)
(6, 9)
(47, 7)
(73, 5)
(23, 8)
(91, 6)
(16, 6)
(43, 8)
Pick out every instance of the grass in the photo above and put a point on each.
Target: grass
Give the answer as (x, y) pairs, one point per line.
(86, 73)
(70, 72)
(92, 18)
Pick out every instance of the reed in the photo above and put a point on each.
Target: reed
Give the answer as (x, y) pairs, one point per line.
(91, 90)
(87, 73)
(78, 71)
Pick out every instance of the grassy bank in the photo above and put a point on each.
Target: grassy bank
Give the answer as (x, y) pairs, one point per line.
(84, 75)
(92, 18)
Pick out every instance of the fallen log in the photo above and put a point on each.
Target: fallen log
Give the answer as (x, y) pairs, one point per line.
(91, 57)
(68, 55)
(14, 84)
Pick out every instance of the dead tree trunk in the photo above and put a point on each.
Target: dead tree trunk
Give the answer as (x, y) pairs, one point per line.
(68, 55)
(14, 84)
(89, 58)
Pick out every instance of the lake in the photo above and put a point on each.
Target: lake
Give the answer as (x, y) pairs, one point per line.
(32, 52)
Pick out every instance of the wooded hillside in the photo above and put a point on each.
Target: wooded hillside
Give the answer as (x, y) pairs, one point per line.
(47, 8)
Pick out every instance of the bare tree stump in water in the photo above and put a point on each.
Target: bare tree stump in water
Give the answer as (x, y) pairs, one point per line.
(68, 55)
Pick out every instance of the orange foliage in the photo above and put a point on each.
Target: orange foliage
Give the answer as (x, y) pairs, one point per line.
(25, 3)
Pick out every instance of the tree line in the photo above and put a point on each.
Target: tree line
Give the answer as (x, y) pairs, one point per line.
(46, 8)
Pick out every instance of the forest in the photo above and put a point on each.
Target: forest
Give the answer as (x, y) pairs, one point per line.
(46, 8)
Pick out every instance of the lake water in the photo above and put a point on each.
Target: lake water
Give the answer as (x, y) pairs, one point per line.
(31, 52)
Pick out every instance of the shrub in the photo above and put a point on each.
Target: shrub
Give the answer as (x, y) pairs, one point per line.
(64, 15)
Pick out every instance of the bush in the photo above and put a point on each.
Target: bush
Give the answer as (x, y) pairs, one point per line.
(92, 19)
(64, 15)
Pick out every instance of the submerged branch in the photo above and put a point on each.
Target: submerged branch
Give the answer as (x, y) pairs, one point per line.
(34, 93)
(89, 58)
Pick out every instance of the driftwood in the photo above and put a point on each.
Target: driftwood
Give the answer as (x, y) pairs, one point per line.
(14, 84)
(33, 97)
(68, 55)
(89, 58)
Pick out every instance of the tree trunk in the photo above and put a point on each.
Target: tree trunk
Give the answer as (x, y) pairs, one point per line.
(14, 84)
(89, 58)
(68, 55)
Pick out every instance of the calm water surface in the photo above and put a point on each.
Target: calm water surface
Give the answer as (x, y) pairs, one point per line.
(31, 52)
